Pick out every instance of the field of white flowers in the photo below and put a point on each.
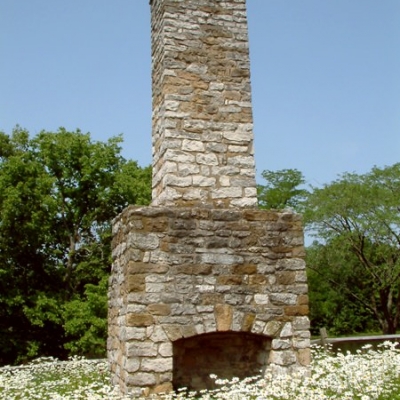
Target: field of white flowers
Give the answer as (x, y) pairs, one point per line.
(368, 374)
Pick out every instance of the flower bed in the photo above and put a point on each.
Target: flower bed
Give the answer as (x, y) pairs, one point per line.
(368, 374)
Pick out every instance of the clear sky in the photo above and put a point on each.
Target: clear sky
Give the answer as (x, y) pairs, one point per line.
(325, 78)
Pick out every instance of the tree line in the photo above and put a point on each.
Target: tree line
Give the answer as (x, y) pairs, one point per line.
(354, 262)
(59, 192)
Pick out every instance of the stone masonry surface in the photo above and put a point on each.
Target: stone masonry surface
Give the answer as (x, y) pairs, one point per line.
(202, 281)
(181, 272)
(202, 113)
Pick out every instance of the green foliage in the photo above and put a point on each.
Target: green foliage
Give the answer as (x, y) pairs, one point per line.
(357, 218)
(332, 283)
(282, 190)
(58, 194)
(86, 321)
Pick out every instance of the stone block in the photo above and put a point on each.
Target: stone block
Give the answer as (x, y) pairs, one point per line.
(163, 364)
(156, 334)
(165, 387)
(283, 298)
(304, 356)
(248, 321)
(282, 357)
(139, 320)
(261, 299)
(141, 349)
(281, 344)
(296, 310)
(223, 316)
(301, 323)
(159, 309)
(142, 379)
(287, 330)
(165, 349)
(173, 332)
(272, 328)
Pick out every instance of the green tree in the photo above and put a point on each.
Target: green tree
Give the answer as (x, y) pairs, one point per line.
(334, 285)
(358, 217)
(58, 194)
(282, 189)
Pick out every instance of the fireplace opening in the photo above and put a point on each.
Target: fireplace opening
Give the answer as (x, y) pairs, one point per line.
(225, 354)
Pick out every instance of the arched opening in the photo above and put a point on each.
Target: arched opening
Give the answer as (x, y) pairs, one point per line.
(225, 354)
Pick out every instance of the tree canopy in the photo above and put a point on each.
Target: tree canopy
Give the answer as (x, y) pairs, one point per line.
(357, 217)
(58, 194)
(354, 264)
(281, 189)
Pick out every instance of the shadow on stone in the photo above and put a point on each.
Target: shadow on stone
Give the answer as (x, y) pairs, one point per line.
(225, 354)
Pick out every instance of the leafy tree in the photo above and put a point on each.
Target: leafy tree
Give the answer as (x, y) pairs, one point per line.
(58, 194)
(281, 189)
(333, 282)
(358, 217)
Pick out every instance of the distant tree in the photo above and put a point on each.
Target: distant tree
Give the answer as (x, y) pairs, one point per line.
(58, 194)
(334, 284)
(357, 218)
(282, 189)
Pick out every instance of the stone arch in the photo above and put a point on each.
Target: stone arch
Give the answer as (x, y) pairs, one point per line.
(227, 354)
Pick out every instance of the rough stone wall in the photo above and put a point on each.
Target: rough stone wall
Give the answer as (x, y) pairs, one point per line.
(202, 114)
(182, 272)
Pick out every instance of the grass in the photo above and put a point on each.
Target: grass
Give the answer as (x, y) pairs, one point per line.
(368, 374)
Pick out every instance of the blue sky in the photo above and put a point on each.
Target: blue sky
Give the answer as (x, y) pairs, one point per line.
(325, 78)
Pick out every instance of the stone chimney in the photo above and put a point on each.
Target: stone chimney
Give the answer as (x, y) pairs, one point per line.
(202, 114)
(202, 281)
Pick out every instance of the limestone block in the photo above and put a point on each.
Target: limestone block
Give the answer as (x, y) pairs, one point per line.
(193, 194)
(132, 365)
(291, 264)
(304, 356)
(301, 323)
(178, 181)
(301, 276)
(165, 387)
(258, 327)
(139, 320)
(179, 156)
(296, 310)
(209, 323)
(188, 331)
(282, 357)
(283, 298)
(301, 343)
(238, 136)
(207, 159)
(141, 349)
(221, 259)
(261, 298)
(159, 309)
(203, 181)
(248, 321)
(272, 328)
(165, 349)
(154, 287)
(156, 334)
(161, 364)
(223, 316)
(188, 169)
(173, 332)
(134, 333)
(143, 242)
(141, 379)
(280, 344)
(192, 145)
